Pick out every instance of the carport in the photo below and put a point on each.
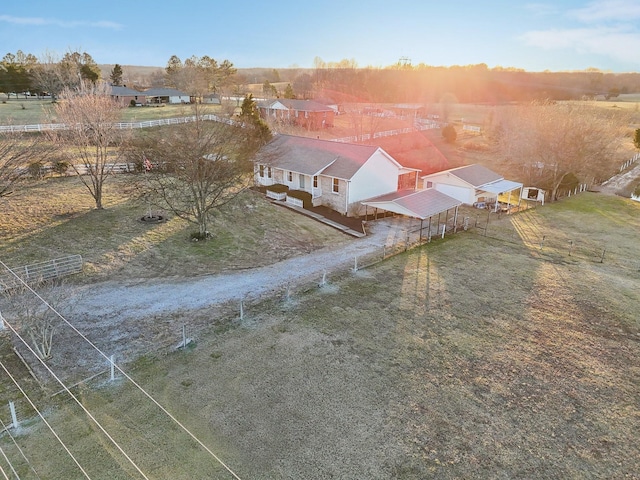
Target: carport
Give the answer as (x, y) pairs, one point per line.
(502, 187)
(421, 204)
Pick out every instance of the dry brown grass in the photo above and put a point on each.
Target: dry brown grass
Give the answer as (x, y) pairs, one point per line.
(473, 357)
(55, 217)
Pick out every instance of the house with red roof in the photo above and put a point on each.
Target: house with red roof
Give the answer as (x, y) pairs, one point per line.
(336, 175)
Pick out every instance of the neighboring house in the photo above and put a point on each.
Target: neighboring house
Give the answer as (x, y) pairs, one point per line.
(336, 175)
(124, 95)
(332, 104)
(166, 95)
(305, 113)
(471, 184)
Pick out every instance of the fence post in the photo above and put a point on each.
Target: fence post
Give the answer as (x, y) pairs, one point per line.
(542, 241)
(602, 257)
(570, 246)
(112, 367)
(14, 417)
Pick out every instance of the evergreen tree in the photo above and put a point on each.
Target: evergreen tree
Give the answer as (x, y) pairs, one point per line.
(116, 75)
(288, 92)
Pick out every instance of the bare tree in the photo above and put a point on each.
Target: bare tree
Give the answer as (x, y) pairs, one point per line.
(90, 116)
(198, 167)
(34, 319)
(551, 142)
(18, 151)
(53, 74)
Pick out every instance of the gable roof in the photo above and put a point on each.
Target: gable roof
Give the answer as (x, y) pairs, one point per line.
(119, 91)
(475, 175)
(420, 204)
(165, 92)
(293, 104)
(312, 156)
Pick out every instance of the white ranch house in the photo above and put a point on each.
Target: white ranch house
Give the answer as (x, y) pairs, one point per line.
(166, 95)
(336, 175)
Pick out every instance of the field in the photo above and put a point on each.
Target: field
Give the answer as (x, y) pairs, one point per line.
(33, 112)
(480, 356)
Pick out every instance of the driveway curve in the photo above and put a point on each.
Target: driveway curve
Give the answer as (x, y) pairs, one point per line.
(150, 298)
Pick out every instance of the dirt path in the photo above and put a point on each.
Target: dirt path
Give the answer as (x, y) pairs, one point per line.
(619, 182)
(137, 300)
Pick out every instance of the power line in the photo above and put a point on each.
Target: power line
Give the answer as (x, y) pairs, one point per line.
(10, 465)
(126, 375)
(4, 473)
(89, 414)
(45, 420)
(18, 447)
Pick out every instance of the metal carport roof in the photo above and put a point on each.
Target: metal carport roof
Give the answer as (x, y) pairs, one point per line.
(500, 186)
(420, 204)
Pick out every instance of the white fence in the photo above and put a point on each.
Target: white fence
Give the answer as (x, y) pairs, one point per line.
(59, 267)
(387, 133)
(121, 125)
(629, 162)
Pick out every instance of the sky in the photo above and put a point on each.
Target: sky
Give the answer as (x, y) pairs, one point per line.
(561, 35)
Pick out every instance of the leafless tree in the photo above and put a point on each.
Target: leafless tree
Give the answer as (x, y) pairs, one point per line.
(550, 142)
(33, 318)
(90, 116)
(196, 168)
(53, 74)
(18, 151)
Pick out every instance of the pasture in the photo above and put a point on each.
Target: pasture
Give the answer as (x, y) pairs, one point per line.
(473, 357)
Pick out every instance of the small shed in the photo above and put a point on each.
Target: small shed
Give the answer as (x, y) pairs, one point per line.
(533, 194)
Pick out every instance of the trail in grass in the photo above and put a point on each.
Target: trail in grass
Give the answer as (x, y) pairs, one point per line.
(152, 298)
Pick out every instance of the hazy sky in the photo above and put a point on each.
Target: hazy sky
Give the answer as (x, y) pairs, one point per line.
(546, 35)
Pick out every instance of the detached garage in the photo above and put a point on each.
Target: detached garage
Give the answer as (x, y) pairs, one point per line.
(473, 183)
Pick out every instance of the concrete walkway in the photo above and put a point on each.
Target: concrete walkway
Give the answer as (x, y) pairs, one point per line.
(322, 219)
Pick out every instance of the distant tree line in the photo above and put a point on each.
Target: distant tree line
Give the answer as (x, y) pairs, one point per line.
(344, 81)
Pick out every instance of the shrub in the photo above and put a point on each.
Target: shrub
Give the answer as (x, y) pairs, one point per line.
(636, 192)
(60, 167)
(449, 134)
(304, 196)
(36, 170)
(278, 188)
(132, 103)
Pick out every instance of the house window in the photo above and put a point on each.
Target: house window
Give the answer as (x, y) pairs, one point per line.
(262, 171)
(290, 176)
(335, 188)
(315, 181)
(269, 172)
(429, 184)
(301, 178)
(306, 114)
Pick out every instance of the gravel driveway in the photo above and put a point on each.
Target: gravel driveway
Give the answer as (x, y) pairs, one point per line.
(150, 298)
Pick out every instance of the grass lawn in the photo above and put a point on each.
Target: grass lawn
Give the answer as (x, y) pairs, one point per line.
(473, 357)
(56, 217)
(33, 112)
